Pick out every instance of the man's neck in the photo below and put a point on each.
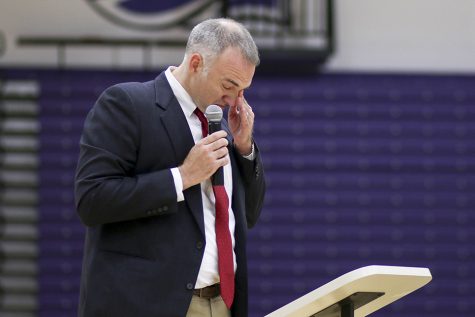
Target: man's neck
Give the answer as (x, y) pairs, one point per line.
(181, 76)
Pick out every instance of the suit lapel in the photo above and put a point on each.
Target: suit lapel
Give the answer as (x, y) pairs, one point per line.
(179, 134)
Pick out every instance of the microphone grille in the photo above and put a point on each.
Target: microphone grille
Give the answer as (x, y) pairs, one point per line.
(214, 113)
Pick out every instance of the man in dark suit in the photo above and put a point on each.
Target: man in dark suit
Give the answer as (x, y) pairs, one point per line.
(143, 186)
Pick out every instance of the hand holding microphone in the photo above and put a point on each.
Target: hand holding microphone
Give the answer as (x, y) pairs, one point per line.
(214, 114)
(208, 155)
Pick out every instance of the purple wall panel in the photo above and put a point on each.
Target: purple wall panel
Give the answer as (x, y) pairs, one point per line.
(366, 169)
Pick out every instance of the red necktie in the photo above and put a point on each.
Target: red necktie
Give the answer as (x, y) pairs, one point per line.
(223, 237)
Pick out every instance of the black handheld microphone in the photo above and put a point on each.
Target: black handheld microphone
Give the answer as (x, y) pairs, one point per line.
(214, 114)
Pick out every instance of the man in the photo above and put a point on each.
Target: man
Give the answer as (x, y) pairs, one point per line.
(143, 186)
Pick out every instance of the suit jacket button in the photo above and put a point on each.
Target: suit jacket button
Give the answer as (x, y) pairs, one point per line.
(199, 245)
(149, 212)
(190, 286)
(165, 208)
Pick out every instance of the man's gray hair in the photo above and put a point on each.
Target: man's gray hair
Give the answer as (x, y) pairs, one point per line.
(211, 37)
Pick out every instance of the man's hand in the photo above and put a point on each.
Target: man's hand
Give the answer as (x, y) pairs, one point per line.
(241, 123)
(209, 154)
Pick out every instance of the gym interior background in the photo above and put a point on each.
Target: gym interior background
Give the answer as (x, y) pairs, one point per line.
(365, 115)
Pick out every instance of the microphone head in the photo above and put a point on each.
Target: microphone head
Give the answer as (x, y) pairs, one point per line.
(214, 113)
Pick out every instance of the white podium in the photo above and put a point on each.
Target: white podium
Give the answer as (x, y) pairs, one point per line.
(357, 293)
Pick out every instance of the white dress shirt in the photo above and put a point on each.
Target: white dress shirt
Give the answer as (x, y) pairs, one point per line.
(208, 274)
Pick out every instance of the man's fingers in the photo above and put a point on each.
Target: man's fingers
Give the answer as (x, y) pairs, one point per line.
(218, 144)
(214, 137)
(220, 153)
(247, 115)
(215, 145)
(247, 108)
(223, 161)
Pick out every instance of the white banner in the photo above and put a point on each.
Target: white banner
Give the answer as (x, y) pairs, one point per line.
(101, 33)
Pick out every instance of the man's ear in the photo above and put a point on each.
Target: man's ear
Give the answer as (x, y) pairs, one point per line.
(195, 63)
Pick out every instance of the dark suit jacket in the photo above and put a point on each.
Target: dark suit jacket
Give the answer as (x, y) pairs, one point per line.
(143, 250)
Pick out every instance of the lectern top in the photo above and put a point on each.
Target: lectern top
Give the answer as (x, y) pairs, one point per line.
(390, 282)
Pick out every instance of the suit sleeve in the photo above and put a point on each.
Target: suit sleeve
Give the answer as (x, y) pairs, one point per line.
(107, 187)
(254, 185)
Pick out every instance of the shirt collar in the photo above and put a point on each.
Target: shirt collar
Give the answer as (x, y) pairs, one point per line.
(184, 99)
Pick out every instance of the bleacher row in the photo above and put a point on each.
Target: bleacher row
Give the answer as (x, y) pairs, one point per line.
(362, 169)
(19, 130)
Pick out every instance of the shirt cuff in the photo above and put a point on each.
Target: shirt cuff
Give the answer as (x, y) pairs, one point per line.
(178, 184)
(252, 155)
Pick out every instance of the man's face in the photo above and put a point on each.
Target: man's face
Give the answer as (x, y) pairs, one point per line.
(227, 77)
